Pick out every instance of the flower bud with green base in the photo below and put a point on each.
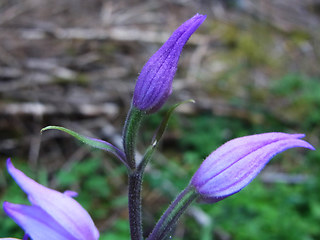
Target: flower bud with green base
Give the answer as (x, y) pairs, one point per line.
(154, 84)
(225, 172)
(152, 89)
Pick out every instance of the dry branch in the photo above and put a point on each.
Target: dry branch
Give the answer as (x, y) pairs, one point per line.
(114, 34)
(39, 109)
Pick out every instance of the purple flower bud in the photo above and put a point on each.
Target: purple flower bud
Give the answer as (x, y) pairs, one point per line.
(154, 84)
(236, 163)
(51, 215)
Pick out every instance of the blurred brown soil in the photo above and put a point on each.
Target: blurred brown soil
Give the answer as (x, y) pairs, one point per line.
(74, 63)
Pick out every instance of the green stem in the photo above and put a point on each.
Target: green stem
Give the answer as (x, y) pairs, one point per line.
(130, 130)
(168, 220)
(134, 203)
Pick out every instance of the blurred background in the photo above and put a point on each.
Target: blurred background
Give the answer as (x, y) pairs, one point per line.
(252, 67)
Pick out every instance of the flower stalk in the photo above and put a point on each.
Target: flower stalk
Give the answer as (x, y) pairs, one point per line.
(153, 87)
(134, 204)
(131, 127)
(169, 219)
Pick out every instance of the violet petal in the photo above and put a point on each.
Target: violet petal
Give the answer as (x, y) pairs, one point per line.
(236, 163)
(62, 208)
(36, 222)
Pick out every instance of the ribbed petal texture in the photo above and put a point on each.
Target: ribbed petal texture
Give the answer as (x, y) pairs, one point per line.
(154, 84)
(53, 215)
(236, 163)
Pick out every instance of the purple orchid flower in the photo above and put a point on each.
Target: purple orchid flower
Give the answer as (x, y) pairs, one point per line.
(236, 163)
(154, 84)
(52, 215)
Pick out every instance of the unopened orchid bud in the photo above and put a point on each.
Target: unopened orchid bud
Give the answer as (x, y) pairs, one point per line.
(236, 163)
(154, 84)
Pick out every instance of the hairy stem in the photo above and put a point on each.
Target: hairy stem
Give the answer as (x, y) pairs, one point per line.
(134, 198)
(168, 220)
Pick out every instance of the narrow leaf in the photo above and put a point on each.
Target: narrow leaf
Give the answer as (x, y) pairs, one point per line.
(162, 127)
(93, 142)
(158, 134)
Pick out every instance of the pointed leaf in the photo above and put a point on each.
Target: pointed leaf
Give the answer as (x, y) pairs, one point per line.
(162, 127)
(159, 133)
(93, 142)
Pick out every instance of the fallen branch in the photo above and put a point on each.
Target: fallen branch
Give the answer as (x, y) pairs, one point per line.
(115, 34)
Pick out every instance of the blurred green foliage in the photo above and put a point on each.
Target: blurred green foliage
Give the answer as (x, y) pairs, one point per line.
(302, 94)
